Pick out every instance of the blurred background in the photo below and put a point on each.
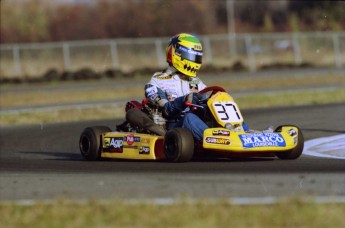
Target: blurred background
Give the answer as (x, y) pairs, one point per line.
(46, 39)
(69, 64)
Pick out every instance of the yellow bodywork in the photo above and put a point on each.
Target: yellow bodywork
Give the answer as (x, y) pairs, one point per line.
(127, 145)
(243, 142)
(235, 139)
(229, 138)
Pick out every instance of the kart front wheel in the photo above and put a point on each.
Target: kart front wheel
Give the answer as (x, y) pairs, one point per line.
(178, 145)
(295, 152)
(90, 142)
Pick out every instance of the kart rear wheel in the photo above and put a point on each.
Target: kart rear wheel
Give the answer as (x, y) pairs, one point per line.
(90, 142)
(295, 152)
(178, 145)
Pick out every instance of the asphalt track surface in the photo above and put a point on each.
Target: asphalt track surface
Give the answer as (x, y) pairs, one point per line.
(42, 162)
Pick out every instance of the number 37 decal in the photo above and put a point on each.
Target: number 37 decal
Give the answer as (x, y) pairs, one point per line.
(227, 112)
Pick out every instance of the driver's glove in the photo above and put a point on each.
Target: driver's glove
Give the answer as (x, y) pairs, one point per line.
(193, 98)
(175, 107)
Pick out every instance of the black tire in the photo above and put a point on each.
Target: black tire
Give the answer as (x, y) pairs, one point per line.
(295, 152)
(179, 145)
(90, 142)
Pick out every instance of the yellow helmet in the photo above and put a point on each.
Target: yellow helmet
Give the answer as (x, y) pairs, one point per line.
(184, 52)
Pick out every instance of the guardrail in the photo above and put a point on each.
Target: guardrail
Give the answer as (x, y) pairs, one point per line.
(252, 50)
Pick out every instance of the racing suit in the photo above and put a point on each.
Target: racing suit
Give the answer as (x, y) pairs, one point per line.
(170, 92)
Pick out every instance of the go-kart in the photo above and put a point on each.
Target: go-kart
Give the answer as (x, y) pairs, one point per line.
(225, 137)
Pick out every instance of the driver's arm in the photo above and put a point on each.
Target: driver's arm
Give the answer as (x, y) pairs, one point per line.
(158, 96)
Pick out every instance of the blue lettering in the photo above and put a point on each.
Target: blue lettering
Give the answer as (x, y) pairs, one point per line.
(262, 140)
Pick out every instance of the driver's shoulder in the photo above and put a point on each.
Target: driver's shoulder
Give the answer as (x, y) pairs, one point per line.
(162, 75)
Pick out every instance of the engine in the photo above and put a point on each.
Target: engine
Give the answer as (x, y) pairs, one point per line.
(153, 111)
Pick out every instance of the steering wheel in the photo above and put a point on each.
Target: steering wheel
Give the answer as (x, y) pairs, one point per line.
(213, 89)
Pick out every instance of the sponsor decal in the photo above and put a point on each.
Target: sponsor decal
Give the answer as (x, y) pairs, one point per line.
(165, 77)
(171, 94)
(213, 140)
(113, 145)
(197, 47)
(262, 139)
(130, 139)
(190, 51)
(193, 87)
(145, 140)
(292, 132)
(194, 84)
(221, 132)
(144, 150)
(151, 92)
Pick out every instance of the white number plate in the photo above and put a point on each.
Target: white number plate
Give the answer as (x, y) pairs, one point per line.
(227, 111)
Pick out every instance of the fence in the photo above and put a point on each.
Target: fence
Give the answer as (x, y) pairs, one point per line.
(253, 50)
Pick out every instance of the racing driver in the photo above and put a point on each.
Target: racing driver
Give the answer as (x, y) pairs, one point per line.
(178, 83)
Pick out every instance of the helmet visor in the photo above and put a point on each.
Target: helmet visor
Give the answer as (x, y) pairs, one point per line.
(189, 54)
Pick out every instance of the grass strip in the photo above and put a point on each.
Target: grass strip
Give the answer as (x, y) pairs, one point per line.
(117, 111)
(290, 213)
(291, 99)
(11, 100)
(41, 97)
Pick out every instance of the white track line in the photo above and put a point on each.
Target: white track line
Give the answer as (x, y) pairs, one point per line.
(174, 201)
(327, 147)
